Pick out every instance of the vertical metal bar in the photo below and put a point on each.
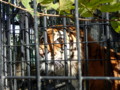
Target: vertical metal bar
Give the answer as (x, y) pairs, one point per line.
(107, 26)
(1, 60)
(4, 48)
(22, 59)
(9, 53)
(45, 44)
(65, 50)
(14, 49)
(14, 55)
(108, 39)
(22, 37)
(37, 47)
(27, 48)
(65, 46)
(4, 59)
(86, 56)
(107, 70)
(78, 45)
(9, 57)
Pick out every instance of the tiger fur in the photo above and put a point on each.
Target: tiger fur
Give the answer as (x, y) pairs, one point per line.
(55, 46)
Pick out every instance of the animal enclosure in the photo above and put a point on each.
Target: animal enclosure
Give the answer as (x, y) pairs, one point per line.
(57, 53)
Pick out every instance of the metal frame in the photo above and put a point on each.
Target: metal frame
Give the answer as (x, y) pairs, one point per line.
(19, 49)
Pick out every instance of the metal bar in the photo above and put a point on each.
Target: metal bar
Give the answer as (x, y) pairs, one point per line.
(9, 51)
(86, 57)
(107, 64)
(100, 78)
(65, 46)
(90, 24)
(65, 52)
(78, 45)
(63, 77)
(9, 41)
(1, 60)
(4, 48)
(22, 65)
(107, 27)
(45, 44)
(37, 47)
(27, 48)
(22, 41)
(14, 48)
(2, 40)
(41, 77)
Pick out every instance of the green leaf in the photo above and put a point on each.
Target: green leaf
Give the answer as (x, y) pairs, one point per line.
(117, 29)
(26, 4)
(28, 7)
(110, 8)
(46, 1)
(92, 3)
(66, 5)
(39, 1)
(86, 7)
(48, 4)
(72, 1)
(114, 1)
(85, 13)
(115, 25)
(52, 6)
(83, 1)
(90, 6)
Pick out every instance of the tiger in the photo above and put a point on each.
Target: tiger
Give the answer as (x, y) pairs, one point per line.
(58, 50)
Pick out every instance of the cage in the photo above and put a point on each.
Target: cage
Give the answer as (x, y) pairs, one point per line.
(56, 53)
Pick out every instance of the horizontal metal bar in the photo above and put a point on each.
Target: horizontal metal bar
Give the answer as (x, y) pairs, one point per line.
(63, 77)
(100, 78)
(74, 25)
(19, 77)
(19, 45)
(41, 77)
(59, 77)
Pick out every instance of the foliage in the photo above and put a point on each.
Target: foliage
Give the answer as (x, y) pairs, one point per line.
(87, 8)
(115, 24)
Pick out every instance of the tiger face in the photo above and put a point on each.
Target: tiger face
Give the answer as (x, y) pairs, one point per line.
(59, 50)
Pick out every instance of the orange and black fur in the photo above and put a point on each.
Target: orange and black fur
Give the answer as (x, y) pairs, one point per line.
(97, 58)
